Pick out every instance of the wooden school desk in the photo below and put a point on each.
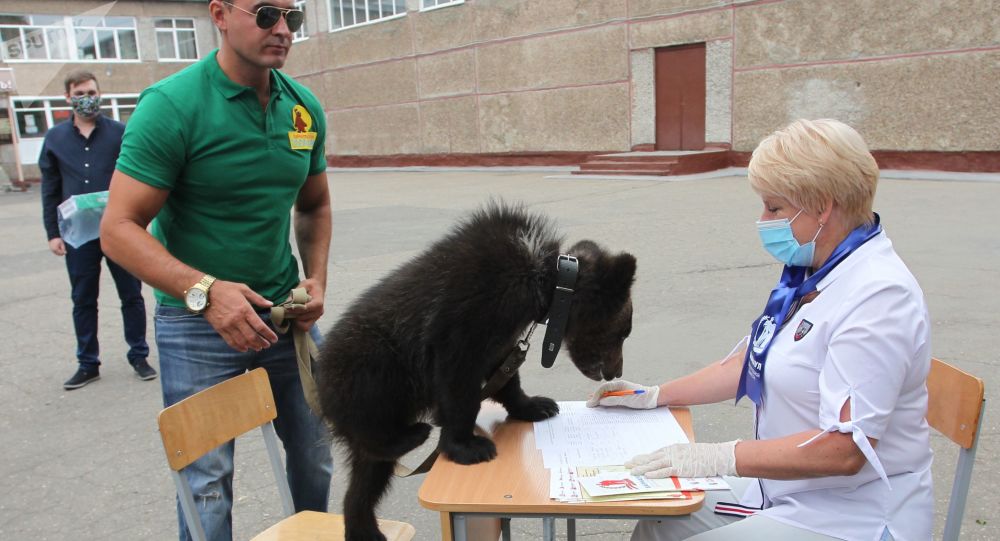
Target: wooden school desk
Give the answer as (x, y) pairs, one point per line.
(516, 484)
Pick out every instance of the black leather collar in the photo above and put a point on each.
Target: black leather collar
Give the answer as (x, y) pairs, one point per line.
(567, 268)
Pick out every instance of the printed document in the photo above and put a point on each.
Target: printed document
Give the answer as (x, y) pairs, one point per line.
(582, 436)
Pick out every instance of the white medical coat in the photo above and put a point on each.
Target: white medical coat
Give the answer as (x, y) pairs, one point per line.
(865, 337)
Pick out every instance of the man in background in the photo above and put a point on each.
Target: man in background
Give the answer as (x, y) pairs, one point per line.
(78, 157)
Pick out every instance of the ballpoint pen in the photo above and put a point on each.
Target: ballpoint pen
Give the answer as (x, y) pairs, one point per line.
(622, 393)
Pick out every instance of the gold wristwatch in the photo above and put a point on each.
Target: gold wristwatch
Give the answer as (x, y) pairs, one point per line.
(196, 297)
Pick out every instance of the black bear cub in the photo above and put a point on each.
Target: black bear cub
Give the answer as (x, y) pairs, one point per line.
(419, 345)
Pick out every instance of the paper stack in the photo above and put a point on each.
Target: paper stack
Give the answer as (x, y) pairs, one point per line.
(579, 444)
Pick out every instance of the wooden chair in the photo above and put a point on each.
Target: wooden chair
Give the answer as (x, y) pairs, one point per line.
(202, 422)
(955, 409)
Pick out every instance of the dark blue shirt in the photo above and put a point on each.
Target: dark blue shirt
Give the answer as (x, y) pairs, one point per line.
(73, 165)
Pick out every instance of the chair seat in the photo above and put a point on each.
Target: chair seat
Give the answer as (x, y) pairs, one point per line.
(315, 526)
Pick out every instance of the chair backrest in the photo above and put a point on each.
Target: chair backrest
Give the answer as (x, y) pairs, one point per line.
(955, 409)
(206, 420)
(203, 421)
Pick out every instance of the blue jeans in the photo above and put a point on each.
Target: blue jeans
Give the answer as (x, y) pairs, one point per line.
(193, 357)
(84, 267)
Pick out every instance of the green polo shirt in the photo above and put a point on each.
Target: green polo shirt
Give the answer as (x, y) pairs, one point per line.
(233, 170)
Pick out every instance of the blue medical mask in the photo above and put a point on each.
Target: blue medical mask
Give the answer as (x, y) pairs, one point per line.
(778, 240)
(86, 106)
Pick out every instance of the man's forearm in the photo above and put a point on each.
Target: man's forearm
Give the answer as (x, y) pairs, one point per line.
(313, 231)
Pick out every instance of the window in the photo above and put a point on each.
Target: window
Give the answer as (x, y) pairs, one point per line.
(348, 13)
(176, 39)
(104, 38)
(33, 37)
(432, 4)
(301, 34)
(42, 38)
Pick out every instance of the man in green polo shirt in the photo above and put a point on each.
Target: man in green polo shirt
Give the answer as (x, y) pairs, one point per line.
(218, 154)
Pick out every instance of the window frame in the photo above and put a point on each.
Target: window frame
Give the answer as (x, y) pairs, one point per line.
(69, 28)
(173, 33)
(330, 10)
(103, 26)
(44, 29)
(302, 34)
(440, 4)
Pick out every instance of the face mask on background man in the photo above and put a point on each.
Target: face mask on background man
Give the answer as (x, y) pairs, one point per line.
(86, 106)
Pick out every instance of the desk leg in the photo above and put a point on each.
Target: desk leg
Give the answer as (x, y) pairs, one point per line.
(446, 529)
(505, 528)
(460, 527)
(549, 529)
(459, 533)
(571, 529)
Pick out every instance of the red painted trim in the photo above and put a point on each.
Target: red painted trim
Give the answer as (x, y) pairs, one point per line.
(739, 159)
(987, 161)
(463, 160)
(645, 147)
(969, 162)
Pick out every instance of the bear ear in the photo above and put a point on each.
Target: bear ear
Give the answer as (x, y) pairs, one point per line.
(621, 274)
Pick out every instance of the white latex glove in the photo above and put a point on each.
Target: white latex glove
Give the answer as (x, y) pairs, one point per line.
(641, 401)
(687, 460)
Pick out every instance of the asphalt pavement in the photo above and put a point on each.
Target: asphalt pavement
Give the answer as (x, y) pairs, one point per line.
(88, 464)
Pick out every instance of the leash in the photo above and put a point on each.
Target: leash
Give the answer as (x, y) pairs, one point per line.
(305, 346)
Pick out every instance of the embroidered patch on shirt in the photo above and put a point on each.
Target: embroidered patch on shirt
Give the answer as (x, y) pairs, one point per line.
(803, 329)
(301, 138)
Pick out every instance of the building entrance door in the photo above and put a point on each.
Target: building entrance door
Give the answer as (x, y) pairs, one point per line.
(680, 97)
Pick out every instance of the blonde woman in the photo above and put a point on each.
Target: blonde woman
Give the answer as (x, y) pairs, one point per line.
(835, 365)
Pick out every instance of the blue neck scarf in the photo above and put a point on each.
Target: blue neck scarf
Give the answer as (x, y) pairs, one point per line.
(783, 301)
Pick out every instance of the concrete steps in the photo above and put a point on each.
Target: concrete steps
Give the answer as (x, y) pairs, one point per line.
(660, 163)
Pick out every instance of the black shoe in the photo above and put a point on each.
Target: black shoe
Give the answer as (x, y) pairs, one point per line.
(143, 370)
(81, 378)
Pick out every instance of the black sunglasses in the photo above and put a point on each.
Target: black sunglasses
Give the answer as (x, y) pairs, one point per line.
(268, 16)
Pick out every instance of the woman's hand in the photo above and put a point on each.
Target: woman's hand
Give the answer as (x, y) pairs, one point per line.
(632, 395)
(687, 460)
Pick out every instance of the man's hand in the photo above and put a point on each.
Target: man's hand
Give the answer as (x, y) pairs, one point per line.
(230, 311)
(57, 246)
(687, 460)
(313, 310)
(627, 396)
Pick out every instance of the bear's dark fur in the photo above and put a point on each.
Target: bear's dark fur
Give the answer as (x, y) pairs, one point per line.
(420, 344)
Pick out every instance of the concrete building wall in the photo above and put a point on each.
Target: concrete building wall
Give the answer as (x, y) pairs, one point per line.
(562, 78)
(512, 77)
(918, 76)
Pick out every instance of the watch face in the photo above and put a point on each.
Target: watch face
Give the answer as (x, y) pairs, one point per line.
(196, 299)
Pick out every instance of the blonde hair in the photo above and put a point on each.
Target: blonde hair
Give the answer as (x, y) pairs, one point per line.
(813, 162)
